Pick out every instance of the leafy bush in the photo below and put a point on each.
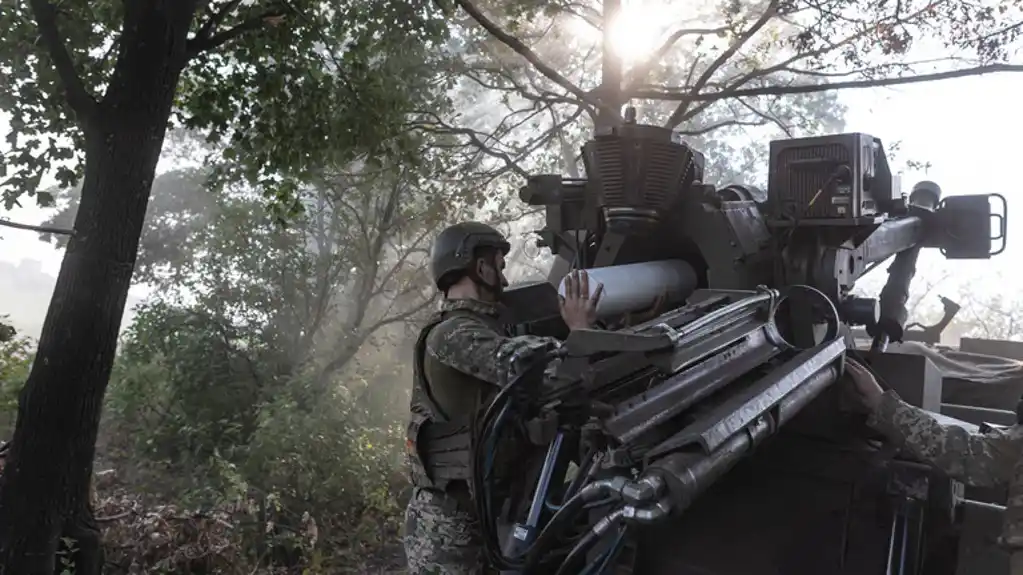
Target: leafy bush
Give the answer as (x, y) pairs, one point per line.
(203, 414)
(16, 355)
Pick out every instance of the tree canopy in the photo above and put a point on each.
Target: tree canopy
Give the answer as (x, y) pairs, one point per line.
(285, 86)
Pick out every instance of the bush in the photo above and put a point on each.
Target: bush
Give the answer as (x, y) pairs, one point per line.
(215, 426)
(16, 355)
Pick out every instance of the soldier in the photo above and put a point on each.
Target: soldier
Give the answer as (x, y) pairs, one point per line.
(979, 459)
(455, 377)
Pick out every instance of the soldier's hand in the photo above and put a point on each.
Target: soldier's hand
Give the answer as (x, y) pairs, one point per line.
(865, 385)
(519, 353)
(578, 309)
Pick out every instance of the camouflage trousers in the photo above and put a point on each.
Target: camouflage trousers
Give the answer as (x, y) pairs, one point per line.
(442, 537)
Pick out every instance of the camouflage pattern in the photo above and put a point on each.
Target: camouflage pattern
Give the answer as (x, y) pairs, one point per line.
(466, 351)
(982, 460)
(1012, 528)
(441, 538)
(473, 346)
(991, 459)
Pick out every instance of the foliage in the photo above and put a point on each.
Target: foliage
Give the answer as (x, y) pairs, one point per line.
(254, 373)
(15, 362)
(175, 539)
(180, 205)
(287, 87)
(7, 331)
(101, 85)
(247, 309)
(192, 422)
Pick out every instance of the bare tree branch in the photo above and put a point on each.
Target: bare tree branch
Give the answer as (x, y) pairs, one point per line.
(825, 87)
(587, 14)
(217, 18)
(82, 102)
(719, 125)
(680, 112)
(40, 229)
(530, 56)
(567, 157)
(211, 41)
(475, 138)
(767, 118)
(490, 144)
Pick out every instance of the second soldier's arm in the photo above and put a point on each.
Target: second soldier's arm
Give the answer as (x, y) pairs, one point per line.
(474, 348)
(982, 460)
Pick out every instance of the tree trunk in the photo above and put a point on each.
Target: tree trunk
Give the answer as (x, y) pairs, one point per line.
(44, 490)
(610, 91)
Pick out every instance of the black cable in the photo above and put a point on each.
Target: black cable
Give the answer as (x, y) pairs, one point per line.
(599, 565)
(491, 425)
(486, 444)
(488, 464)
(589, 460)
(540, 549)
(491, 429)
(578, 551)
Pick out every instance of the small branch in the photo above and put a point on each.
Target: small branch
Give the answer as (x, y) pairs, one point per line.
(216, 19)
(638, 74)
(200, 44)
(815, 88)
(116, 517)
(79, 99)
(543, 96)
(585, 13)
(569, 165)
(680, 112)
(400, 317)
(767, 118)
(40, 229)
(530, 56)
(720, 125)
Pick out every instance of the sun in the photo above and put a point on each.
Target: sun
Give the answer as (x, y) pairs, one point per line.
(636, 32)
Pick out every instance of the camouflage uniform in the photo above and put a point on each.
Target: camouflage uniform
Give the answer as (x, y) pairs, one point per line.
(983, 460)
(458, 368)
(441, 536)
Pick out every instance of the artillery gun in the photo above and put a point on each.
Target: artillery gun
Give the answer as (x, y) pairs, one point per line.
(711, 440)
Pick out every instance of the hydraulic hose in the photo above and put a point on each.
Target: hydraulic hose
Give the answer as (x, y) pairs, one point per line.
(595, 534)
(491, 425)
(600, 565)
(603, 491)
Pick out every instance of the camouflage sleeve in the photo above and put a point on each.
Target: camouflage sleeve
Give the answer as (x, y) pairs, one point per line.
(474, 348)
(982, 460)
(1012, 526)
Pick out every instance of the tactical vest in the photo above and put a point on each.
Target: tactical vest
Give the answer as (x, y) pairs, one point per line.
(439, 446)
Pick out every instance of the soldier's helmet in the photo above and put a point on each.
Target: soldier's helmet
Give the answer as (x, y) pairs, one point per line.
(454, 248)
